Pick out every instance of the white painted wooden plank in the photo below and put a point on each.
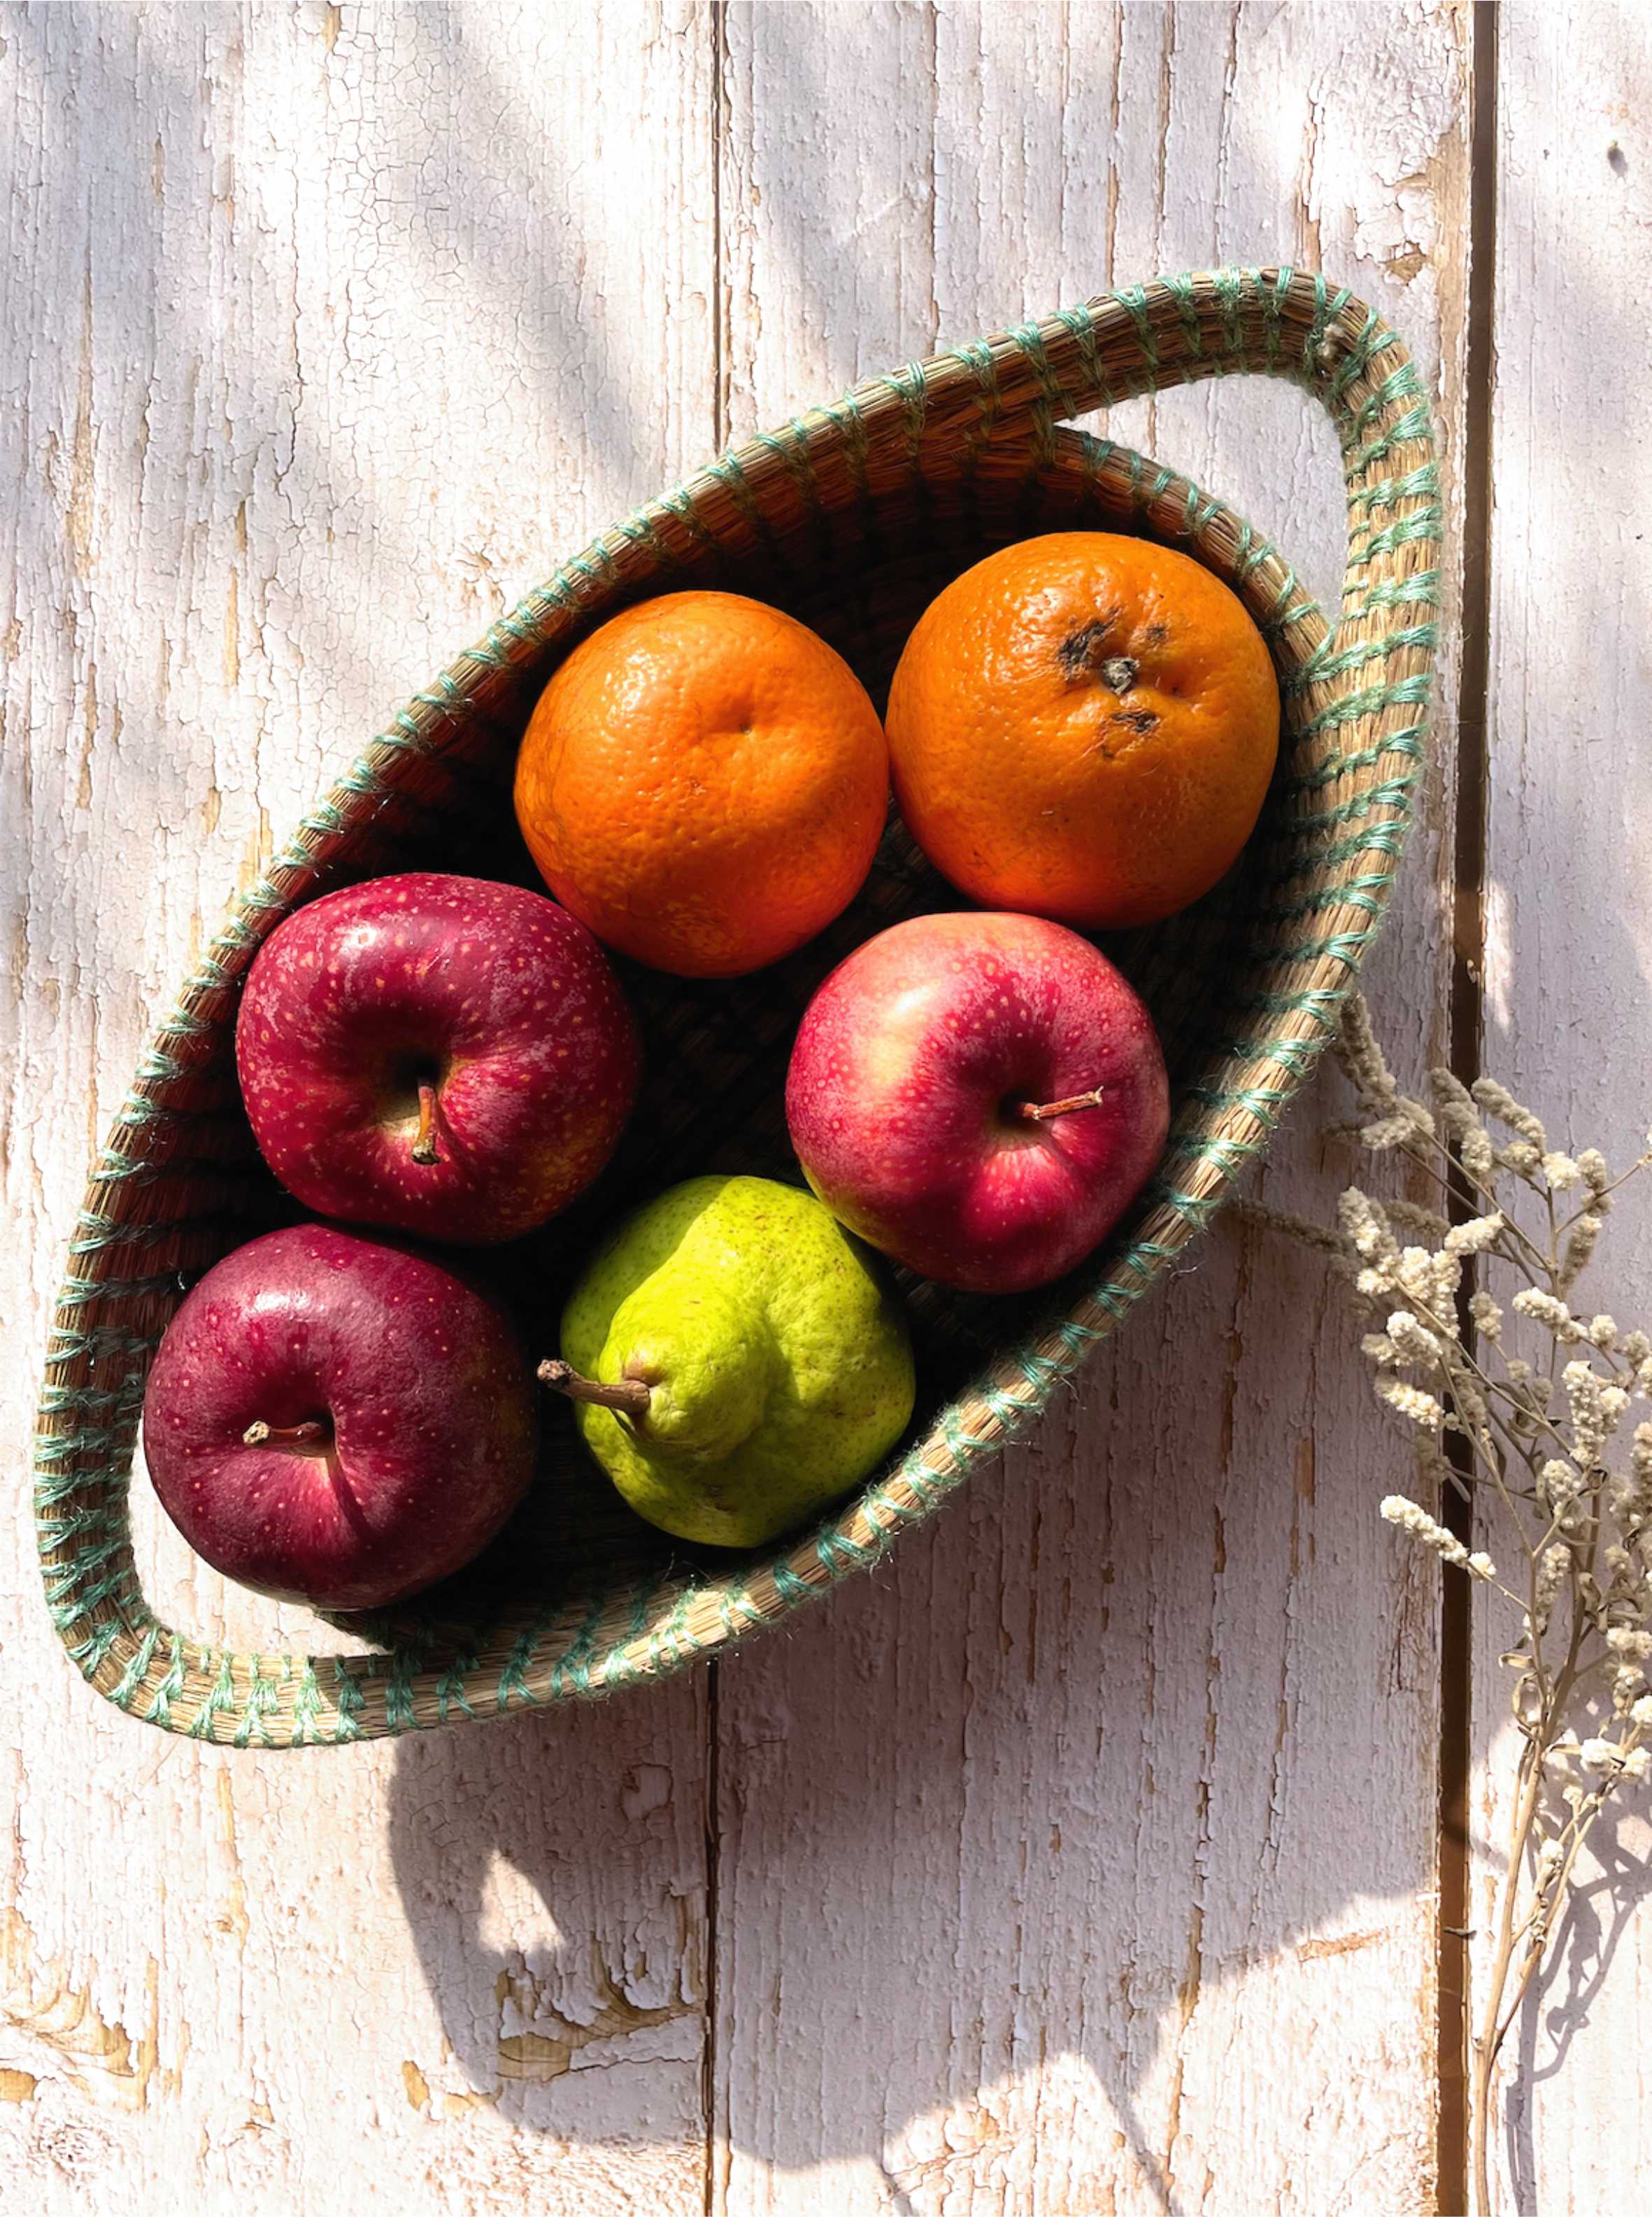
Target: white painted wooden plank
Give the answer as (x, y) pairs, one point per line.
(1569, 960)
(326, 331)
(1084, 1861)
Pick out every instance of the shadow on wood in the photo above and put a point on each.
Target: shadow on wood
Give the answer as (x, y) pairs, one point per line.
(1035, 1887)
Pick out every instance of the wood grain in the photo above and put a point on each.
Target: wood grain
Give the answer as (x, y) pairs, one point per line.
(327, 331)
(1084, 1861)
(1568, 954)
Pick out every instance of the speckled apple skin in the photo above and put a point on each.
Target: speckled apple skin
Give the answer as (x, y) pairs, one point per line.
(420, 1376)
(899, 1079)
(496, 994)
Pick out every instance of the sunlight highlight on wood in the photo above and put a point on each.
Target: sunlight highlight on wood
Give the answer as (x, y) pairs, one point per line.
(1128, 1696)
(1081, 1860)
(1569, 923)
(333, 331)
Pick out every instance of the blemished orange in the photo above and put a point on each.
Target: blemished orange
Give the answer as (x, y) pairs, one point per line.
(704, 783)
(1083, 726)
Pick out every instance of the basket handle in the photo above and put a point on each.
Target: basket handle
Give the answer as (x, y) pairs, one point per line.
(1378, 661)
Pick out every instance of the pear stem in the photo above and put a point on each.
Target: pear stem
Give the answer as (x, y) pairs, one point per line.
(310, 1433)
(424, 1139)
(1036, 1112)
(631, 1396)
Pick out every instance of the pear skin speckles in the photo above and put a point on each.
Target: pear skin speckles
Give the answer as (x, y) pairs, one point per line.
(780, 1355)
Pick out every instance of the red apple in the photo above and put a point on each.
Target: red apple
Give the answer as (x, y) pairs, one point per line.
(446, 1056)
(981, 1097)
(338, 1419)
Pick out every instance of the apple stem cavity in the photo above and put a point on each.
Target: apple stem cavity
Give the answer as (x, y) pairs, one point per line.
(630, 1396)
(424, 1139)
(311, 1433)
(1039, 1112)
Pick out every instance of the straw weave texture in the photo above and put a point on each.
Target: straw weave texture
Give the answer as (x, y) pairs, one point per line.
(852, 516)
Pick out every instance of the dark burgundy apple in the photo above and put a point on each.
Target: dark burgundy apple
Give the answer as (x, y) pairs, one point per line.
(981, 1097)
(443, 1055)
(338, 1419)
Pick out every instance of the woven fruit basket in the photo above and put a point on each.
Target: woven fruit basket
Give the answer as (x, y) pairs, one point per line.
(852, 517)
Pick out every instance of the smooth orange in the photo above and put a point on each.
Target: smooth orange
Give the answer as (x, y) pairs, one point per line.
(704, 783)
(1083, 726)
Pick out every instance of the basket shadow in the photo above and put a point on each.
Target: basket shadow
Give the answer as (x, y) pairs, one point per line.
(547, 1963)
(526, 2007)
(1037, 1845)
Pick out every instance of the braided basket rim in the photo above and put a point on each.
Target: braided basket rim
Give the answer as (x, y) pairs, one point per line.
(1356, 707)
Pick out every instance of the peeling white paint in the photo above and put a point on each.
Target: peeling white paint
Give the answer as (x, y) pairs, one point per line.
(1569, 936)
(329, 329)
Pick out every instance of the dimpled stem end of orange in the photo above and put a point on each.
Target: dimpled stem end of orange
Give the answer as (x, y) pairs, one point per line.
(704, 783)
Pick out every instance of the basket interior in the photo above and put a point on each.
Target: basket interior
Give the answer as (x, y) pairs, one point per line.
(716, 1052)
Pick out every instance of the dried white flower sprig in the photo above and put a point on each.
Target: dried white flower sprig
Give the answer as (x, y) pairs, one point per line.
(1541, 1441)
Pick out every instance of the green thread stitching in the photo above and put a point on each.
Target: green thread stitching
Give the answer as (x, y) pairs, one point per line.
(1384, 415)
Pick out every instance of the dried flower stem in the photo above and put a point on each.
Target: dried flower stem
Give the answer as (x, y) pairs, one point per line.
(1536, 1440)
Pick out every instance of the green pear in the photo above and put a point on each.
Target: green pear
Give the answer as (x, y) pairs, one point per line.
(737, 1358)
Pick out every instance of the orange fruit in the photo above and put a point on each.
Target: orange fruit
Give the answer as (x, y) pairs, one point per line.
(704, 783)
(1083, 726)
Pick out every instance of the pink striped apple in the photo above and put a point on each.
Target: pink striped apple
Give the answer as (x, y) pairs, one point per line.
(982, 1096)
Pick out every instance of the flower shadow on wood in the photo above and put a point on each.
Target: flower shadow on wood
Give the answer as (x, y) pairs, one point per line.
(1601, 1915)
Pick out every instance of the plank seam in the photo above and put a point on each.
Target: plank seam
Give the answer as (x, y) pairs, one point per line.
(712, 2196)
(1471, 780)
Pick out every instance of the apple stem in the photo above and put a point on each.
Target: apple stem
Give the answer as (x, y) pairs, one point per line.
(310, 1433)
(630, 1396)
(424, 1139)
(1035, 1112)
